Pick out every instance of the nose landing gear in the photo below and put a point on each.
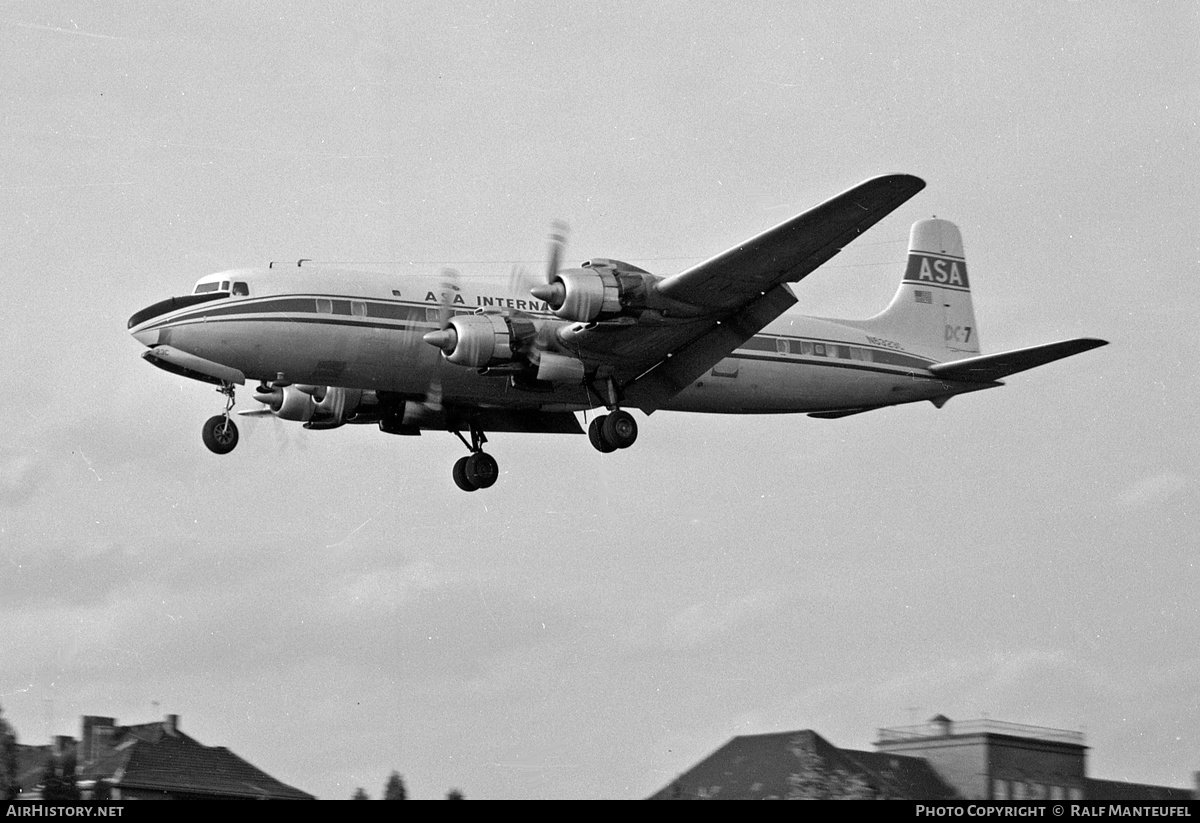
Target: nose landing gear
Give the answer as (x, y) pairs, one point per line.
(478, 470)
(219, 433)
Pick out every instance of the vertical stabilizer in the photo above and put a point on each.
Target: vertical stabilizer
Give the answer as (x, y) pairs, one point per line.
(932, 310)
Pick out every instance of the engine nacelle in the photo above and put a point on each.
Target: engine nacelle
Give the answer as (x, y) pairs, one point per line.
(585, 294)
(601, 289)
(558, 368)
(334, 407)
(476, 340)
(317, 406)
(289, 402)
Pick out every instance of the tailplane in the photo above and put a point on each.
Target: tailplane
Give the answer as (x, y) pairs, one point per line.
(991, 367)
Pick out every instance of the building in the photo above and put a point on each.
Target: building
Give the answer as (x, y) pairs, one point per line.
(150, 761)
(939, 760)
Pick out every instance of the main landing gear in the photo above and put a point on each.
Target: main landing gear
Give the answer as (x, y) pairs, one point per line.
(610, 432)
(220, 434)
(615, 430)
(478, 470)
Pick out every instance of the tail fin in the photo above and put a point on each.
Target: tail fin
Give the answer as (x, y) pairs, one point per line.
(932, 310)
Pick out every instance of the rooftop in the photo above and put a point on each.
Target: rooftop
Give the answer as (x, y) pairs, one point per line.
(943, 727)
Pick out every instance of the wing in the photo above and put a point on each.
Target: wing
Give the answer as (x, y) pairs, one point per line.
(791, 250)
(733, 295)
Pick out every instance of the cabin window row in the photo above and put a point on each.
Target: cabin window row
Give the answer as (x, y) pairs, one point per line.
(811, 348)
(353, 308)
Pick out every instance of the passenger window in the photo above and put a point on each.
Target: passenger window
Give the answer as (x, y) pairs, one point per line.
(240, 289)
(358, 308)
(819, 349)
(781, 345)
(324, 305)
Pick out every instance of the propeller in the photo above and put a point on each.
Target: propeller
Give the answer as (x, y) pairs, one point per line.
(445, 338)
(550, 291)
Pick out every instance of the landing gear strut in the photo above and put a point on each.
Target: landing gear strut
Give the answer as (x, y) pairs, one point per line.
(478, 470)
(219, 433)
(616, 430)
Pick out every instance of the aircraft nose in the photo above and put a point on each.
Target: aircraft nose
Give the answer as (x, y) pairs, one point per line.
(138, 322)
(147, 337)
(140, 319)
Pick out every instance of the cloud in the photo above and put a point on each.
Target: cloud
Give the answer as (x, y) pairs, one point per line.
(1154, 490)
(698, 623)
(20, 474)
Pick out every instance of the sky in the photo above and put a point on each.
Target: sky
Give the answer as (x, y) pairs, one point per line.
(331, 608)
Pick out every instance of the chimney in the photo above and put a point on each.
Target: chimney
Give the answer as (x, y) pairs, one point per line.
(96, 739)
(63, 744)
(171, 724)
(941, 725)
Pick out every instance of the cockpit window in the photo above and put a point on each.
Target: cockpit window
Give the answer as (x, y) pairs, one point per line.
(240, 289)
(203, 287)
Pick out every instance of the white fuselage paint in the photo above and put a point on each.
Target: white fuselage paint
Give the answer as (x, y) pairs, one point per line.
(370, 337)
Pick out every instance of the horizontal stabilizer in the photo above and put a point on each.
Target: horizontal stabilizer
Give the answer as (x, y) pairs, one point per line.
(991, 367)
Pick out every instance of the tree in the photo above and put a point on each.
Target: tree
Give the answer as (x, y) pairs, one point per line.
(58, 781)
(395, 788)
(813, 778)
(454, 794)
(360, 794)
(9, 787)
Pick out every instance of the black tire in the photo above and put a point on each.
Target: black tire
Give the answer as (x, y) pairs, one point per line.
(620, 429)
(220, 434)
(597, 437)
(460, 475)
(482, 470)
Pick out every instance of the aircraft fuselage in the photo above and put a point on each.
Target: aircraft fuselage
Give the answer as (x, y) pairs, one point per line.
(328, 327)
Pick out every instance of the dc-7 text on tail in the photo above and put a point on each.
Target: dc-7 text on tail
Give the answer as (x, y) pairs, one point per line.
(433, 349)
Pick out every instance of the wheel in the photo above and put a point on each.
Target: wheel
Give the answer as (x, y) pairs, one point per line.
(596, 435)
(220, 434)
(460, 475)
(481, 470)
(620, 429)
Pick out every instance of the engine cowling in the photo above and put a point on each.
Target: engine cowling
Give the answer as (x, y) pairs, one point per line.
(476, 340)
(601, 289)
(316, 406)
(335, 407)
(583, 294)
(290, 402)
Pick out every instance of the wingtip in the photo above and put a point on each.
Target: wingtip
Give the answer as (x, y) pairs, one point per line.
(897, 177)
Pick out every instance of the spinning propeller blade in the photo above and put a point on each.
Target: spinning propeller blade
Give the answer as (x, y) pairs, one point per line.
(550, 291)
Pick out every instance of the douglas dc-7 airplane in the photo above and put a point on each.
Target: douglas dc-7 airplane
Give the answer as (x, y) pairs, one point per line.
(436, 350)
